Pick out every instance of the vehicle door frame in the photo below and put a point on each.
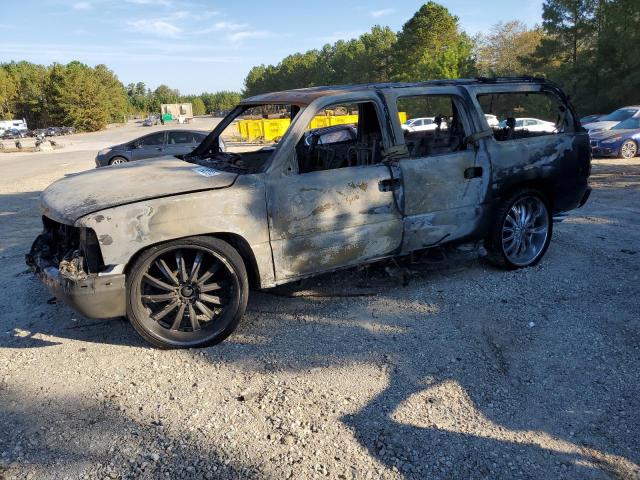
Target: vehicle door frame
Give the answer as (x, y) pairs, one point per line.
(551, 159)
(284, 167)
(161, 149)
(429, 229)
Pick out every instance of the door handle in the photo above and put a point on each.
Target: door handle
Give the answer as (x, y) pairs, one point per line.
(388, 184)
(159, 149)
(473, 172)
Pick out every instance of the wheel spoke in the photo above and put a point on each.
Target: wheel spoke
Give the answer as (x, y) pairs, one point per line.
(178, 318)
(538, 230)
(195, 323)
(182, 268)
(157, 283)
(165, 311)
(167, 272)
(195, 269)
(209, 273)
(205, 310)
(163, 297)
(193, 317)
(212, 287)
(210, 299)
(509, 249)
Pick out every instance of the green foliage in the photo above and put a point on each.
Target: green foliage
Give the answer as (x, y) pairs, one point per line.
(589, 49)
(506, 48)
(430, 45)
(74, 95)
(198, 106)
(220, 101)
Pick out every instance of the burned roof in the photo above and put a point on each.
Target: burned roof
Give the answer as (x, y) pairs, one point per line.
(304, 96)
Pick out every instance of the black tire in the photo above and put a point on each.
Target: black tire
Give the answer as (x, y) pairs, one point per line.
(629, 149)
(494, 243)
(118, 160)
(145, 308)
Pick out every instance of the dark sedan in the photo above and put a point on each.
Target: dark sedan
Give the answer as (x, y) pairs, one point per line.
(621, 141)
(158, 144)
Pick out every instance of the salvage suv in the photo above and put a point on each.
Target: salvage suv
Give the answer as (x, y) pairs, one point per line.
(174, 243)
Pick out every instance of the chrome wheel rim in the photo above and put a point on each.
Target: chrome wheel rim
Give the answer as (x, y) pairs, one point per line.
(525, 231)
(118, 161)
(629, 149)
(188, 295)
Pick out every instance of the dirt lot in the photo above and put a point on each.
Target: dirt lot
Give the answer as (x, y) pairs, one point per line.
(466, 372)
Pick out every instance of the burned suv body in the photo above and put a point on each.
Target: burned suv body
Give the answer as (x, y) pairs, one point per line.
(174, 243)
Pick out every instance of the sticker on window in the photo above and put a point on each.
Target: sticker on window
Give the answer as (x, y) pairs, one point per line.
(206, 171)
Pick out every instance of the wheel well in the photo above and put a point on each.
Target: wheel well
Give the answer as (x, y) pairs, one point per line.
(117, 156)
(542, 185)
(243, 248)
(236, 241)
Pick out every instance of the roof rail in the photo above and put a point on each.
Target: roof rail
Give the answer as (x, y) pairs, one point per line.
(522, 78)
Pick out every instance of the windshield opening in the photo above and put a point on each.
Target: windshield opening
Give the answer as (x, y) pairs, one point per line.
(628, 124)
(248, 140)
(618, 115)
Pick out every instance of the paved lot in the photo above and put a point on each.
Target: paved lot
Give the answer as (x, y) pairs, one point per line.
(467, 372)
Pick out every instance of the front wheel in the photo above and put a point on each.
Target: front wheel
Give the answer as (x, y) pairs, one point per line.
(521, 232)
(187, 293)
(118, 161)
(629, 149)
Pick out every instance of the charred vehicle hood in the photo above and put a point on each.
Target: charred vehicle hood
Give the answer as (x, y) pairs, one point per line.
(80, 194)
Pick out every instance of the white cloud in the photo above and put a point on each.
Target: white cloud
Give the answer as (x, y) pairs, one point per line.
(150, 2)
(82, 6)
(222, 26)
(158, 26)
(241, 36)
(382, 12)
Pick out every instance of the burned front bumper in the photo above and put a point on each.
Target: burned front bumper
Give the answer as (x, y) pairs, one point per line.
(95, 296)
(68, 261)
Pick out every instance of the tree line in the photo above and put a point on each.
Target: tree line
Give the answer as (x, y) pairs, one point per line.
(587, 46)
(88, 98)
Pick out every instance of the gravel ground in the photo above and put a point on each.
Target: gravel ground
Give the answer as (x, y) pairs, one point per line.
(466, 372)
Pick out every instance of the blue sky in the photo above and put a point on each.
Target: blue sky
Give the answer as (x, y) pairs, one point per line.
(206, 45)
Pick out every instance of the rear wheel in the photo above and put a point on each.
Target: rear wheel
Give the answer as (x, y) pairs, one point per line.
(187, 293)
(629, 149)
(522, 231)
(118, 161)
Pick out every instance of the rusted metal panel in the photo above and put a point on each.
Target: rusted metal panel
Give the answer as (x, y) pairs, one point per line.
(332, 218)
(125, 230)
(80, 194)
(437, 184)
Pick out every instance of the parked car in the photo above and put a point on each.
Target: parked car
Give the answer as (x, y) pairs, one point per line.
(158, 144)
(621, 141)
(423, 124)
(530, 124)
(174, 243)
(492, 120)
(590, 119)
(13, 133)
(151, 121)
(609, 121)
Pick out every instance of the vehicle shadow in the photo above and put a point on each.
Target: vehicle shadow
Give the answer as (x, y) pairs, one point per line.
(77, 438)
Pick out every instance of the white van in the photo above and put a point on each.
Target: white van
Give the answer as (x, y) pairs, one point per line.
(20, 125)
